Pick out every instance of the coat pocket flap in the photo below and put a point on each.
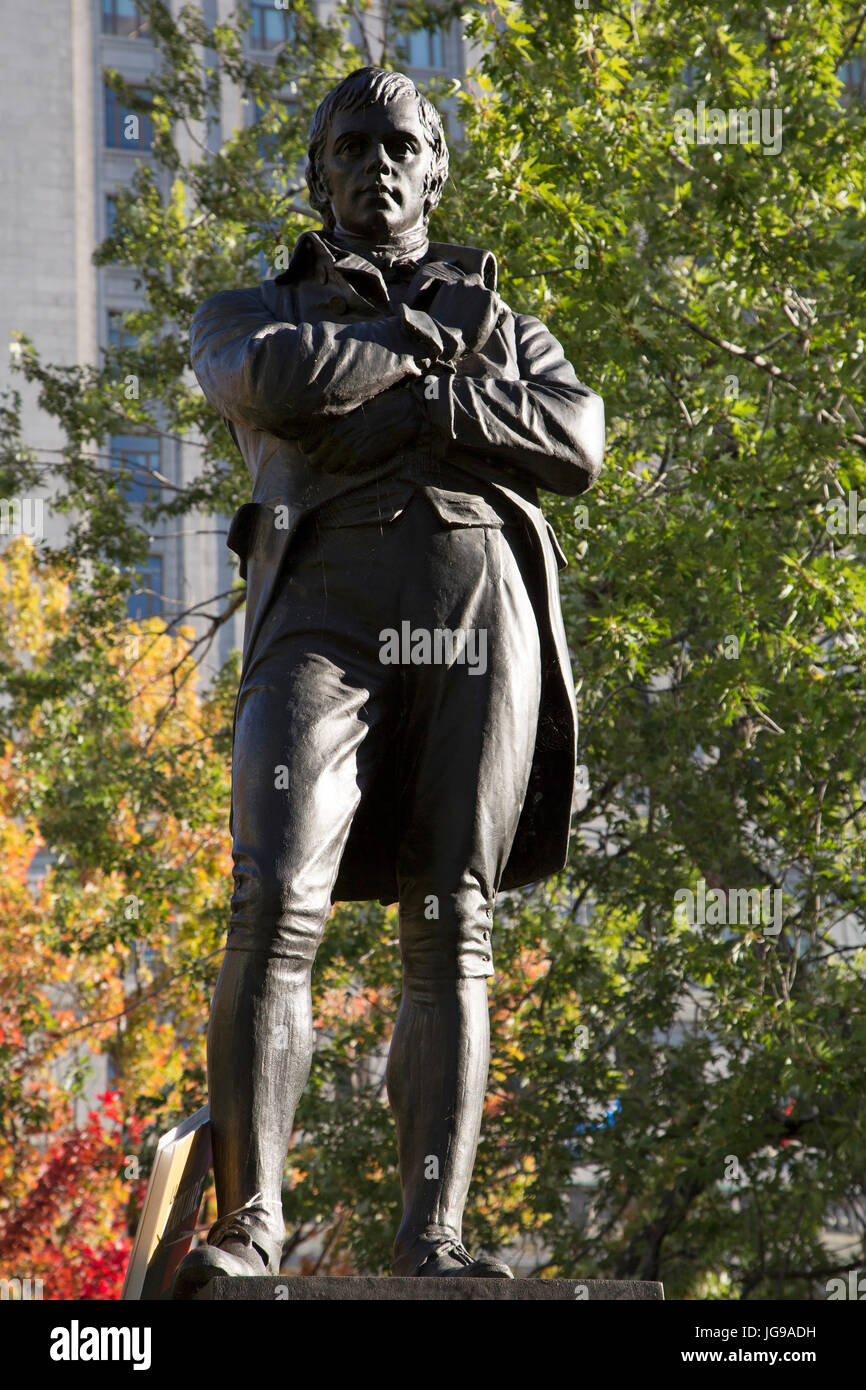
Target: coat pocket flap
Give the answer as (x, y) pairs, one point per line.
(242, 531)
(561, 561)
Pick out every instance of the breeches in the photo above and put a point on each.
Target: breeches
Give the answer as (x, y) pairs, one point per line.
(428, 760)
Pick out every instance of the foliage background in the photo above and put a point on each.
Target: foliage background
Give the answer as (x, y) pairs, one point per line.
(713, 295)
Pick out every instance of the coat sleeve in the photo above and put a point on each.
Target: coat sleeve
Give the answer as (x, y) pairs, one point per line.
(546, 426)
(267, 374)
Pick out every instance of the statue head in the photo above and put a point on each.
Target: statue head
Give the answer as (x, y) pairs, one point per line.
(377, 159)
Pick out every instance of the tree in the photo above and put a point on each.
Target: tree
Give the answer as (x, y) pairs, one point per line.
(671, 1098)
(709, 290)
(106, 747)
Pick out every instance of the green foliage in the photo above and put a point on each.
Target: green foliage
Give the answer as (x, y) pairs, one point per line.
(718, 315)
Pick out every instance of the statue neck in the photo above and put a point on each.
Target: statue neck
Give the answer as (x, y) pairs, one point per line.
(402, 246)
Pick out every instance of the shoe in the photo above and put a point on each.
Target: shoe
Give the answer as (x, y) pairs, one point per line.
(450, 1259)
(234, 1247)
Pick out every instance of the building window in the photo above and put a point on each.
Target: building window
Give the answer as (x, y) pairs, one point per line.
(124, 19)
(126, 129)
(145, 601)
(115, 328)
(132, 457)
(269, 141)
(119, 339)
(853, 75)
(118, 335)
(110, 214)
(424, 48)
(271, 27)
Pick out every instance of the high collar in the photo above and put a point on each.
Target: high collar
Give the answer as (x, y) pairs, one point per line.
(313, 253)
(408, 246)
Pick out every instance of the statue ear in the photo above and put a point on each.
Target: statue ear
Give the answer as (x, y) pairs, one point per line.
(431, 200)
(320, 189)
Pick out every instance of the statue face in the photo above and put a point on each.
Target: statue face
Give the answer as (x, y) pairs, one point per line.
(376, 162)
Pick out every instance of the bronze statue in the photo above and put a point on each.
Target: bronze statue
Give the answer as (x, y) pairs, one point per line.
(405, 726)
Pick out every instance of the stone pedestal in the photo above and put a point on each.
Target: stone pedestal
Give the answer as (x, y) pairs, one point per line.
(276, 1289)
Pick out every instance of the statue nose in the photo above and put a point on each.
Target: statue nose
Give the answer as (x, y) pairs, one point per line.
(379, 159)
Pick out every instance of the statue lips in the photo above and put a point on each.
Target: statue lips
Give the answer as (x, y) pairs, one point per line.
(380, 192)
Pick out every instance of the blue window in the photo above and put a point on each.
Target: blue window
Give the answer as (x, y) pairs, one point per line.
(424, 48)
(272, 25)
(145, 601)
(110, 213)
(133, 456)
(118, 335)
(124, 19)
(853, 75)
(126, 129)
(269, 142)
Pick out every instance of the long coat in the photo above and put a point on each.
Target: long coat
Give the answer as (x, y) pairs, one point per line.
(320, 339)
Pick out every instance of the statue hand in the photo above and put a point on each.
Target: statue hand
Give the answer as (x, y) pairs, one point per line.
(370, 434)
(467, 313)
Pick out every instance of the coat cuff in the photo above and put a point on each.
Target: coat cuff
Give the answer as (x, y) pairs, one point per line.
(424, 333)
(437, 401)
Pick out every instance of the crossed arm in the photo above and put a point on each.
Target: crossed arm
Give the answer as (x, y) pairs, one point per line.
(281, 377)
(351, 394)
